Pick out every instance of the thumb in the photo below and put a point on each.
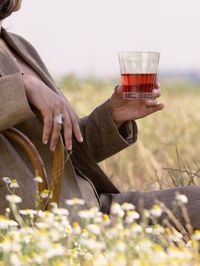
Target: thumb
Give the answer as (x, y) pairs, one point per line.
(118, 91)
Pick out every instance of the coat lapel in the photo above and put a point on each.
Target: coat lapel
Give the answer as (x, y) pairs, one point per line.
(8, 66)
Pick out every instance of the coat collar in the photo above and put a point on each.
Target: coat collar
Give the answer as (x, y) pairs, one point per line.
(8, 66)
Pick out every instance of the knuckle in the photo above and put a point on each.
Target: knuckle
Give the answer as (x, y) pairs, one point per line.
(68, 138)
(76, 125)
(48, 122)
(74, 119)
(56, 104)
(68, 134)
(46, 111)
(57, 128)
(62, 101)
(68, 125)
(54, 137)
(48, 117)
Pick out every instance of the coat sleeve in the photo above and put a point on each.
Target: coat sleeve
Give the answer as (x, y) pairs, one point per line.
(101, 136)
(14, 106)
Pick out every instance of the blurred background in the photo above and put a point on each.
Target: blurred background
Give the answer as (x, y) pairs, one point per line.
(79, 40)
(83, 37)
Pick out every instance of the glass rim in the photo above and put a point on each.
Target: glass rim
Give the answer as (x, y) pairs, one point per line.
(139, 52)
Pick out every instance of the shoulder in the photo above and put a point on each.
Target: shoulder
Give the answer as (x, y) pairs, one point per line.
(27, 47)
(15, 39)
(22, 42)
(24, 46)
(19, 38)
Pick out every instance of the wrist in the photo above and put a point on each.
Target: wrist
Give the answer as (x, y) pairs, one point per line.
(118, 124)
(30, 84)
(112, 113)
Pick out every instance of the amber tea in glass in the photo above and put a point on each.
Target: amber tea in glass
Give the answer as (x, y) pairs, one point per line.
(138, 73)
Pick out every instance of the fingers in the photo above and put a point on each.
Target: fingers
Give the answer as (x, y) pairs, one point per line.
(155, 107)
(71, 126)
(51, 104)
(74, 122)
(76, 127)
(48, 123)
(67, 130)
(157, 85)
(55, 132)
(151, 102)
(52, 128)
(118, 89)
(156, 93)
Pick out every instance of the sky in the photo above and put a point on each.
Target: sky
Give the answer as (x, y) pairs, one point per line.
(84, 36)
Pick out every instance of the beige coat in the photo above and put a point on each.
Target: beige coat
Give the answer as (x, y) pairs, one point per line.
(101, 137)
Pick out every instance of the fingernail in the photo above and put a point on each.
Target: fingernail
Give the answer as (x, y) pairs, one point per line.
(45, 141)
(53, 148)
(151, 102)
(81, 139)
(70, 147)
(118, 88)
(148, 102)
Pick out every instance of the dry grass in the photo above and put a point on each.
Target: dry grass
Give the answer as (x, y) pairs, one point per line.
(167, 151)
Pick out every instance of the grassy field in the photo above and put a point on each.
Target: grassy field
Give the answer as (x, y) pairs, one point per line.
(166, 155)
(167, 151)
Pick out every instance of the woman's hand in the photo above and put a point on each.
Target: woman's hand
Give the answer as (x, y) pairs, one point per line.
(123, 110)
(50, 104)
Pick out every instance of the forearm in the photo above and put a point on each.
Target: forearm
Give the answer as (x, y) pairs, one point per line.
(101, 135)
(14, 106)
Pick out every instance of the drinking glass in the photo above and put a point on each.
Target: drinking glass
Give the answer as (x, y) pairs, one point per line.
(138, 73)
